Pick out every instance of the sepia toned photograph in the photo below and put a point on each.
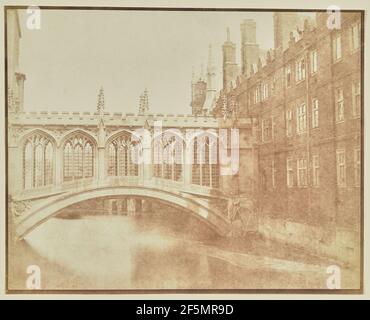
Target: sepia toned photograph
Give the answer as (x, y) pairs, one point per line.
(183, 150)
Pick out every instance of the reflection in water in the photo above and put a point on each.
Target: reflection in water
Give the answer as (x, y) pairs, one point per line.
(123, 252)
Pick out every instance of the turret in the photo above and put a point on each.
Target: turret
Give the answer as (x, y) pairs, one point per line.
(198, 92)
(249, 46)
(211, 89)
(230, 68)
(15, 77)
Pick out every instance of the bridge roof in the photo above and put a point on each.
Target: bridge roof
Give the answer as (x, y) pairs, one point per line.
(51, 118)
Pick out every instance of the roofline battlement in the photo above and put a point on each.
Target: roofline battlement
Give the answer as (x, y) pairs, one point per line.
(70, 118)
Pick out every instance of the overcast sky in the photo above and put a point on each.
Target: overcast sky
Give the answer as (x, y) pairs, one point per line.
(76, 52)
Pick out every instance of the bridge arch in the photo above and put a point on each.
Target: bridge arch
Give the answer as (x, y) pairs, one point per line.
(37, 216)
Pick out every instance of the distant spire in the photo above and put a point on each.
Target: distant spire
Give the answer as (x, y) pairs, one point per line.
(228, 34)
(101, 102)
(144, 103)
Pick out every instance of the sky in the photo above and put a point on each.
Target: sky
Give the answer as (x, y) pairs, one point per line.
(76, 52)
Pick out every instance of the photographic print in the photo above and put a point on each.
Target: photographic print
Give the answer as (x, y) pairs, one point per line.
(183, 150)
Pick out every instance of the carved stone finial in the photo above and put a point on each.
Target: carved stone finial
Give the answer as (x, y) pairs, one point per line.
(144, 103)
(101, 102)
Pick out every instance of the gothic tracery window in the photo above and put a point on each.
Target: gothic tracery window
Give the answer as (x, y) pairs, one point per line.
(205, 168)
(123, 155)
(78, 158)
(38, 153)
(168, 157)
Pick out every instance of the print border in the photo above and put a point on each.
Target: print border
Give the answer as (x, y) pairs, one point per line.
(185, 291)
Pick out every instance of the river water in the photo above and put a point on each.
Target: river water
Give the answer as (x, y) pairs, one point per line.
(123, 252)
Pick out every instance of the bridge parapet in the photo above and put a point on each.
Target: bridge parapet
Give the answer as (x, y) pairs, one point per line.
(84, 118)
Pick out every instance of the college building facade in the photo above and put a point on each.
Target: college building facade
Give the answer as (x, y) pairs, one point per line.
(304, 97)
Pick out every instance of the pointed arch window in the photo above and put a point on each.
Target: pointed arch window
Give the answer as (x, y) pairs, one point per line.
(123, 156)
(38, 156)
(78, 158)
(196, 164)
(205, 170)
(168, 157)
(88, 160)
(28, 165)
(48, 164)
(78, 161)
(112, 160)
(39, 168)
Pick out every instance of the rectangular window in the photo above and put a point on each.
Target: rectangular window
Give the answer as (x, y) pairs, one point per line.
(265, 130)
(315, 170)
(315, 113)
(341, 168)
(313, 61)
(289, 173)
(301, 118)
(265, 91)
(289, 123)
(273, 182)
(339, 105)
(337, 48)
(302, 172)
(354, 36)
(257, 96)
(356, 99)
(273, 85)
(288, 73)
(357, 166)
(300, 69)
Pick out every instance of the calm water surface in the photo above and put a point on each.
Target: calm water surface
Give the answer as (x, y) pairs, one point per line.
(122, 252)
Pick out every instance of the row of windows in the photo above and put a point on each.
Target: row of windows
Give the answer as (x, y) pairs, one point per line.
(300, 178)
(301, 114)
(267, 88)
(354, 36)
(300, 64)
(123, 153)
